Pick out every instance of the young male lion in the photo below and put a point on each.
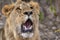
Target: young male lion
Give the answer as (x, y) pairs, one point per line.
(22, 21)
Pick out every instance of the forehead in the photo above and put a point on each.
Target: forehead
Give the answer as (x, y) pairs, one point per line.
(23, 5)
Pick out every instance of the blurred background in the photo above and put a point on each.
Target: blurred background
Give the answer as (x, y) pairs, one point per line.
(49, 18)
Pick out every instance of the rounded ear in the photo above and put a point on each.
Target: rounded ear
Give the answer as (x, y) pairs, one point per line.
(7, 9)
(36, 6)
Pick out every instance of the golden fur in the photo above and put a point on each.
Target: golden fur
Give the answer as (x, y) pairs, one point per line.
(15, 17)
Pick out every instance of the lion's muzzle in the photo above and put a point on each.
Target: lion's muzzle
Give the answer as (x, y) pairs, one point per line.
(27, 29)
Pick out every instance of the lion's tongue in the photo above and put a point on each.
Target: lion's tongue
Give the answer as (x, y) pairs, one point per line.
(28, 23)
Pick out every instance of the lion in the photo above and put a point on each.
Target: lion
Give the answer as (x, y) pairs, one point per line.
(22, 21)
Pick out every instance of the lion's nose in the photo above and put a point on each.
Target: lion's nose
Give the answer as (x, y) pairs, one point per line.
(28, 13)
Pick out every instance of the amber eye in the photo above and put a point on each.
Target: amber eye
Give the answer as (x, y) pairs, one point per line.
(18, 8)
(31, 7)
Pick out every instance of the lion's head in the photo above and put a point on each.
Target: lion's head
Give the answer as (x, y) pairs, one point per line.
(22, 18)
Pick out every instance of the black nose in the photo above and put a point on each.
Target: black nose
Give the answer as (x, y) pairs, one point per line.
(28, 13)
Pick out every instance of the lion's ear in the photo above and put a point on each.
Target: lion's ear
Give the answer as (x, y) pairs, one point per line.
(7, 9)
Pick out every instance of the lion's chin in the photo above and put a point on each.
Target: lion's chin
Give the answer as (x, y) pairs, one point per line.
(27, 35)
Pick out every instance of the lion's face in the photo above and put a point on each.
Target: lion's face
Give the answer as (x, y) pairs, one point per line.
(23, 19)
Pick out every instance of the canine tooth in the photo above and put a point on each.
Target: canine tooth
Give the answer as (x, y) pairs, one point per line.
(30, 27)
(25, 27)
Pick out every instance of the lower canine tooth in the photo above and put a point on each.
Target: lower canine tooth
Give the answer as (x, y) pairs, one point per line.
(30, 27)
(25, 27)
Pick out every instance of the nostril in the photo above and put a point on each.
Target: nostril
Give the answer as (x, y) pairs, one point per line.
(26, 13)
(31, 13)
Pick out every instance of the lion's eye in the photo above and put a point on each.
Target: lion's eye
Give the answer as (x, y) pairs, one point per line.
(18, 8)
(31, 7)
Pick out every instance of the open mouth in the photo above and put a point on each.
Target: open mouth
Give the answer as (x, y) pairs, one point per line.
(27, 26)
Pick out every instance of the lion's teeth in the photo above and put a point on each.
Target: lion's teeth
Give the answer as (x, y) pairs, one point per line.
(30, 27)
(27, 28)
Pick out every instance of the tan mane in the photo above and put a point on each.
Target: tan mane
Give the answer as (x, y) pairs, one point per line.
(22, 20)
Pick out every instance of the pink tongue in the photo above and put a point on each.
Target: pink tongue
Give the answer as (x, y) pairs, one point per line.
(27, 24)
